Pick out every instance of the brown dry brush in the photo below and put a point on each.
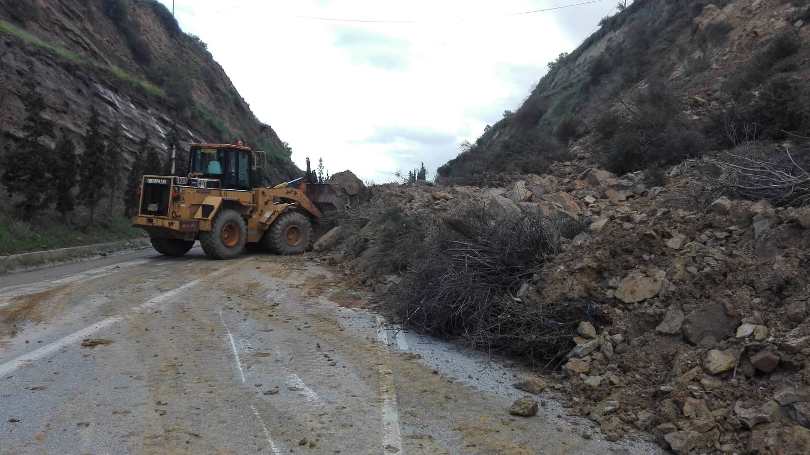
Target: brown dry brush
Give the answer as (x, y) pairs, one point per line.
(466, 285)
(783, 182)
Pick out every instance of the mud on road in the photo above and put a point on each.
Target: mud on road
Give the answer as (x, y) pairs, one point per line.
(258, 355)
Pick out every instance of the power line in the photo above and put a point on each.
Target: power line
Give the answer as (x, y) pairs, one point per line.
(390, 21)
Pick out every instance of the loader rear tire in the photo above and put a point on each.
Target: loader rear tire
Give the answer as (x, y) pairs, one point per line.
(227, 237)
(290, 234)
(172, 247)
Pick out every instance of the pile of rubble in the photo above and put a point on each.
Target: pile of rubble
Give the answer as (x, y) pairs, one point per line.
(703, 336)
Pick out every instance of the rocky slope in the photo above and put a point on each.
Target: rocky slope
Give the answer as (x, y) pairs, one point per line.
(130, 60)
(659, 82)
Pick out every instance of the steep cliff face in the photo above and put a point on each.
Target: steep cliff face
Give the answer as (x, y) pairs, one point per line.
(130, 60)
(716, 70)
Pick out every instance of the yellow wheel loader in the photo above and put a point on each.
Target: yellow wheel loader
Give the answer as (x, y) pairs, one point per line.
(220, 204)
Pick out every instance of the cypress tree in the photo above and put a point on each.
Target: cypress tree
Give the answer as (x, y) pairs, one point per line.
(113, 163)
(26, 173)
(64, 175)
(153, 164)
(93, 166)
(136, 172)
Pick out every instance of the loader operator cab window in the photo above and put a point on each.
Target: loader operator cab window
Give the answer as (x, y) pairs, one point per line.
(229, 166)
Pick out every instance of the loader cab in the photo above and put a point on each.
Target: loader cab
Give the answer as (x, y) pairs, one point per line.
(231, 165)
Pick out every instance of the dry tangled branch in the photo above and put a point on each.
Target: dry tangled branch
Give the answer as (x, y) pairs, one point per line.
(782, 182)
(467, 284)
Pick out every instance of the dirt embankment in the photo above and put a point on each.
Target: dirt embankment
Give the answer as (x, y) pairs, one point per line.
(690, 309)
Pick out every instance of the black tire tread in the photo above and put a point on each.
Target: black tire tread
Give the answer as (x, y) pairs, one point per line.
(211, 242)
(275, 240)
(172, 247)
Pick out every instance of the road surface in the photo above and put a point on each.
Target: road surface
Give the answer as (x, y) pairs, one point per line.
(142, 354)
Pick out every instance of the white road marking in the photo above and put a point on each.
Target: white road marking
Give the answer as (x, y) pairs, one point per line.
(295, 382)
(11, 292)
(273, 447)
(391, 435)
(48, 349)
(233, 347)
(238, 361)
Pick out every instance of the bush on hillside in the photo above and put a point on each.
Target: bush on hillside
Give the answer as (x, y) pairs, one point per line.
(653, 133)
(166, 18)
(568, 129)
(762, 65)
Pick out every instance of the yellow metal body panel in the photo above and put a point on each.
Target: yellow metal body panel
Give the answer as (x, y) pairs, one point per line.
(192, 210)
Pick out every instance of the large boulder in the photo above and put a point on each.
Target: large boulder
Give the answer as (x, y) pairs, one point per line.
(502, 207)
(347, 183)
(519, 193)
(328, 240)
(564, 202)
(600, 178)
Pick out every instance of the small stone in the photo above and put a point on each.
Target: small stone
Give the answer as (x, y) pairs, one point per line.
(586, 329)
(599, 224)
(589, 199)
(745, 330)
(796, 311)
(676, 242)
(575, 367)
(593, 381)
(760, 333)
(682, 442)
(673, 321)
(532, 385)
(584, 349)
(751, 417)
(604, 408)
(765, 361)
(717, 361)
(638, 287)
(441, 196)
(524, 407)
(721, 206)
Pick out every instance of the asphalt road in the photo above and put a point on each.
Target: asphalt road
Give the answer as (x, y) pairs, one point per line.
(141, 354)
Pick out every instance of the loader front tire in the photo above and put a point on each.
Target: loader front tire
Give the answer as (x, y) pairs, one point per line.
(291, 234)
(227, 237)
(172, 247)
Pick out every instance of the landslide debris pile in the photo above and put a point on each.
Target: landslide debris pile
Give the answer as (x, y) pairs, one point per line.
(676, 310)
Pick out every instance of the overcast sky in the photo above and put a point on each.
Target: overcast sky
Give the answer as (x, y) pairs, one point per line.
(378, 97)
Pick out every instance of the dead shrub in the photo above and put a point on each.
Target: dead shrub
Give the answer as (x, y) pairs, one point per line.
(749, 173)
(466, 285)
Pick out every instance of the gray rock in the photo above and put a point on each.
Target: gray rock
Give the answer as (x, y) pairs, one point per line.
(751, 417)
(673, 321)
(534, 386)
(503, 207)
(709, 324)
(586, 329)
(584, 349)
(765, 361)
(519, 192)
(524, 407)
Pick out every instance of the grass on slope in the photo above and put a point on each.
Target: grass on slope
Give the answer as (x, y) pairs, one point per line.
(118, 73)
(20, 237)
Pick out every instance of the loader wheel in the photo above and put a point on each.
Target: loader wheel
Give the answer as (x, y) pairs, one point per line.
(172, 247)
(227, 237)
(290, 234)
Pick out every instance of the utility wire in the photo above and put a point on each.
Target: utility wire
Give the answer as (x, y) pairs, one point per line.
(385, 21)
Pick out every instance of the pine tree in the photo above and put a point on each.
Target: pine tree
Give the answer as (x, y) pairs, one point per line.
(93, 166)
(113, 161)
(26, 172)
(323, 175)
(64, 175)
(131, 196)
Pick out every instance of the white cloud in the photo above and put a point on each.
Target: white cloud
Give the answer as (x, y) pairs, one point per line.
(334, 89)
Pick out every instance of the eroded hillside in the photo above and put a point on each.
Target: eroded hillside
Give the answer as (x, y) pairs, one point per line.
(659, 82)
(131, 61)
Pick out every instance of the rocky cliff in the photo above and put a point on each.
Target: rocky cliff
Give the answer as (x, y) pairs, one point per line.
(131, 61)
(659, 82)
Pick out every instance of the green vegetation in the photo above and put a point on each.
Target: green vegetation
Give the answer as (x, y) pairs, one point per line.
(17, 236)
(146, 86)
